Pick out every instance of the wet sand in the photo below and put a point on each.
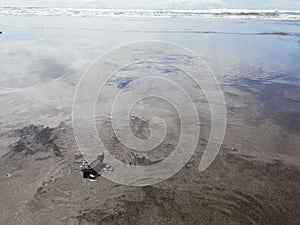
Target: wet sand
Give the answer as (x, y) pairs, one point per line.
(45, 187)
(255, 178)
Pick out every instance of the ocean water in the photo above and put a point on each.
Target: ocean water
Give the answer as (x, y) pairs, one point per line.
(254, 55)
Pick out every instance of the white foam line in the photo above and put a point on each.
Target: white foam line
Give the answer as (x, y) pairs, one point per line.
(215, 13)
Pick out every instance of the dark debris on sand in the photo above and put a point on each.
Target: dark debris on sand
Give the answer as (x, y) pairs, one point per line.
(35, 139)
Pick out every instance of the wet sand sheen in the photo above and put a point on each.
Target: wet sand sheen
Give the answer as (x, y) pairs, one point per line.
(254, 180)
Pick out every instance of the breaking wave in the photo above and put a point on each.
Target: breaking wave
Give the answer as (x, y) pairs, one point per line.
(216, 13)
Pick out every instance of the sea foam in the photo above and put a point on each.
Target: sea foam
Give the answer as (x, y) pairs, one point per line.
(215, 13)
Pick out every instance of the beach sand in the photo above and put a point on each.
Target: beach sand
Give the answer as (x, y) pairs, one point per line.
(255, 178)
